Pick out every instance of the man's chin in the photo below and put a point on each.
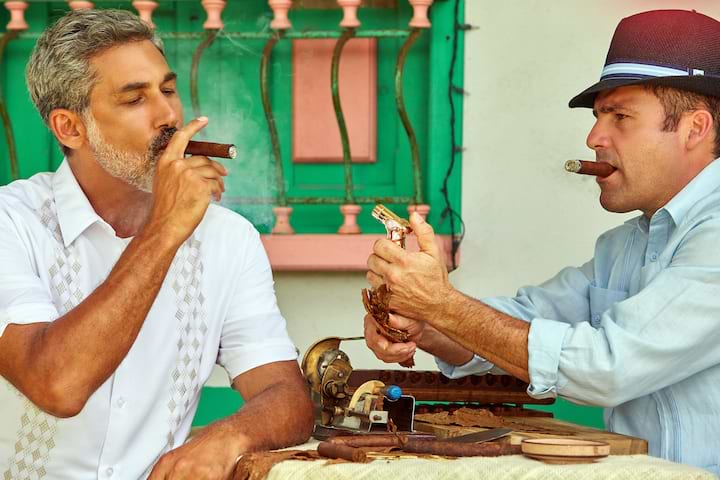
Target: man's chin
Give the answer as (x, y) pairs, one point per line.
(615, 205)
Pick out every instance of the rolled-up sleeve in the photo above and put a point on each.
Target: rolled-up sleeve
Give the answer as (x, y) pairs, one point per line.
(24, 298)
(545, 343)
(476, 366)
(254, 332)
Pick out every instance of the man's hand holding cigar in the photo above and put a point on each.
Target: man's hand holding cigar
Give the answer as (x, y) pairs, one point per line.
(184, 186)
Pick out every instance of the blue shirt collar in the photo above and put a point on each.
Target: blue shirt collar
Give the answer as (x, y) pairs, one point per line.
(75, 214)
(704, 183)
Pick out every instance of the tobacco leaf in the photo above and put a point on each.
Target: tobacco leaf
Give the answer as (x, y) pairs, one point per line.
(481, 417)
(464, 417)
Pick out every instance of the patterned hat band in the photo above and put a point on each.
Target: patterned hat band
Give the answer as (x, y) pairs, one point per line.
(641, 71)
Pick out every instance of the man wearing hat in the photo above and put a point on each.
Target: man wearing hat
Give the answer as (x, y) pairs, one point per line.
(636, 329)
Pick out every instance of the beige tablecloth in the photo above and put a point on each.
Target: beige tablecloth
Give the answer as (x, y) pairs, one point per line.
(514, 467)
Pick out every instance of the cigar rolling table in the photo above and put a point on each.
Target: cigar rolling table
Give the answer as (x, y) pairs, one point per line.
(511, 467)
(627, 460)
(500, 401)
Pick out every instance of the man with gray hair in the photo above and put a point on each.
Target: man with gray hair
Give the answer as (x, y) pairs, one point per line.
(123, 285)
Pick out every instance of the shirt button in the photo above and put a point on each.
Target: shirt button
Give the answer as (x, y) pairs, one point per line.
(120, 402)
(653, 256)
(109, 471)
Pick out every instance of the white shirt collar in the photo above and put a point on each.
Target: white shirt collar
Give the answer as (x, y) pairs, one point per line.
(75, 214)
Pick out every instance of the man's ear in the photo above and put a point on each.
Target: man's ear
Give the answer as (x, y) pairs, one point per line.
(68, 128)
(700, 128)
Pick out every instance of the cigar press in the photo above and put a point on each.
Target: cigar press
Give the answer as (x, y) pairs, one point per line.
(370, 407)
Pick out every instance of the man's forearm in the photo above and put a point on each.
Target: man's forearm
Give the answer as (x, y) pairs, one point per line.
(74, 355)
(443, 347)
(278, 417)
(495, 336)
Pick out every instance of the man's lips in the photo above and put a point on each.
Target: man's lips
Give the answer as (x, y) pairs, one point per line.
(606, 178)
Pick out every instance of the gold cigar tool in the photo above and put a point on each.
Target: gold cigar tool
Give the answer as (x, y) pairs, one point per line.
(397, 228)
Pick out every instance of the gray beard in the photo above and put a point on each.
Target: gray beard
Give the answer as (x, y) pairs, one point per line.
(136, 169)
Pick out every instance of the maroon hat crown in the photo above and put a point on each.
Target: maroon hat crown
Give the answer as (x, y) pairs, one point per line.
(674, 48)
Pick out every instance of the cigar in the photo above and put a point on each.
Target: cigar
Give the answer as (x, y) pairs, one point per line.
(379, 439)
(337, 450)
(210, 149)
(585, 167)
(454, 449)
(376, 440)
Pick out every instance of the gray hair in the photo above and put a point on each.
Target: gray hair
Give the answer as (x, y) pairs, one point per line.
(58, 73)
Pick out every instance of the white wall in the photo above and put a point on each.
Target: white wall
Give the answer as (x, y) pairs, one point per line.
(526, 218)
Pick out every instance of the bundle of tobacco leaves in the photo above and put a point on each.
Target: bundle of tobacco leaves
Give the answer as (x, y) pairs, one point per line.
(377, 304)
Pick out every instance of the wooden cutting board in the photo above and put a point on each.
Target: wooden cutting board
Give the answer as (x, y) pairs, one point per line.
(619, 444)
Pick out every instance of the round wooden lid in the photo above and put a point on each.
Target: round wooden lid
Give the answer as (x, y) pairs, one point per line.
(564, 450)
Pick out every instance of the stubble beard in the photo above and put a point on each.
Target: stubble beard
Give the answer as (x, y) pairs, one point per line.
(136, 169)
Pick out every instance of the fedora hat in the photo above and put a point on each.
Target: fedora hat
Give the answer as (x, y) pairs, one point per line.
(673, 48)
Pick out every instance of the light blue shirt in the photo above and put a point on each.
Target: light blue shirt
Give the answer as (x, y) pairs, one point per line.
(637, 328)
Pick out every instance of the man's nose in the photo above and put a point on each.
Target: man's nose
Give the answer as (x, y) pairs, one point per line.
(597, 138)
(165, 113)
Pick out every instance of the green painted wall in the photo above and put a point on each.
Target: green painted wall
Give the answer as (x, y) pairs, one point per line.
(229, 94)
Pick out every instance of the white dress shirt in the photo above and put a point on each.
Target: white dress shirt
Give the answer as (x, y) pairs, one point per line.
(216, 305)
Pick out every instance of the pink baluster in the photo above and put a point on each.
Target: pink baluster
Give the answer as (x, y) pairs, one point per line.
(349, 7)
(17, 15)
(282, 221)
(145, 8)
(80, 4)
(420, 13)
(213, 8)
(423, 210)
(350, 213)
(280, 12)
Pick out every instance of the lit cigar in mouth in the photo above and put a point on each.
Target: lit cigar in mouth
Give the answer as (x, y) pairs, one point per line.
(210, 149)
(206, 149)
(584, 167)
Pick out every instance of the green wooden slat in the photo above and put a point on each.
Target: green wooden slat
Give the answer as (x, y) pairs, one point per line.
(439, 114)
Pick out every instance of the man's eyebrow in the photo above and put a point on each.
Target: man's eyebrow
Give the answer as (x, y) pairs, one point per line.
(612, 108)
(129, 87)
(169, 76)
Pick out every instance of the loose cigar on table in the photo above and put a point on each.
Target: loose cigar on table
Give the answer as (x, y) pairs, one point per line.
(584, 167)
(379, 439)
(337, 450)
(453, 449)
(210, 149)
